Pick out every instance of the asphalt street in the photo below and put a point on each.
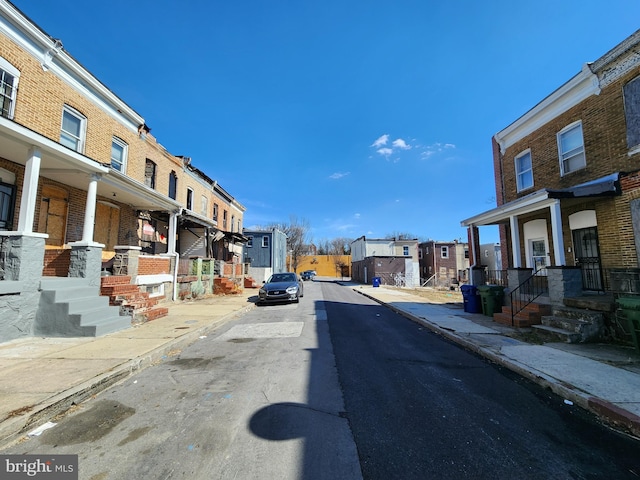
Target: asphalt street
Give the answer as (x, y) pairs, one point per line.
(422, 407)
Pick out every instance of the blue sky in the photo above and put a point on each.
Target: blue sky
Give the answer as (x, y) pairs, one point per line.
(360, 117)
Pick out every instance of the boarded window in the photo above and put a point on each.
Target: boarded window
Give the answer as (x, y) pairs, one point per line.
(632, 111)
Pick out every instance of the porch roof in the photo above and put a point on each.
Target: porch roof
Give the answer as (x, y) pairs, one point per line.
(604, 186)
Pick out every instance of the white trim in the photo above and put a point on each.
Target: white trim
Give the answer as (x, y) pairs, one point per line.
(578, 88)
(583, 219)
(32, 39)
(154, 279)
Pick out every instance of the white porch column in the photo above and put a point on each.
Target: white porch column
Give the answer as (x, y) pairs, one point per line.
(516, 261)
(29, 191)
(173, 227)
(556, 234)
(90, 211)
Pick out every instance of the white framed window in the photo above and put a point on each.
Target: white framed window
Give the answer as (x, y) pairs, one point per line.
(119, 150)
(215, 212)
(524, 171)
(405, 250)
(249, 241)
(571, 149)
(265, 241)
(74, 129)
(444, 252)
(9, 76)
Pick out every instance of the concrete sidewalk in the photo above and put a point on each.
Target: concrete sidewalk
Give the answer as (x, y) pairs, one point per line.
(603, 379)
(42, 377)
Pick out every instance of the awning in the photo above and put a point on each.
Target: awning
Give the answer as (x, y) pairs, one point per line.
(544, 198)
(189, 218)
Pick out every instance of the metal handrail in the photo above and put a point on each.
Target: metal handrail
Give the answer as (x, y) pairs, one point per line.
(531, 288)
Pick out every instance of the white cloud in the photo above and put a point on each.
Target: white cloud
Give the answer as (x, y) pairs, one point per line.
(356, 215)
(385, 151)
(382, 140)
(434, 148)
(338, 175)
(401, 144)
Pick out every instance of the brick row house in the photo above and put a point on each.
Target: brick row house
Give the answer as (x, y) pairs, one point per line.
(393, 260)
(567, 176)
(87, 194)
(443, 264)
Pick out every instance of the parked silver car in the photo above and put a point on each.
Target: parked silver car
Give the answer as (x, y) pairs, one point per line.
(281, 287)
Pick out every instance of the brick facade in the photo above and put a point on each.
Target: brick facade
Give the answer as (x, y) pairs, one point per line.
(602, 115)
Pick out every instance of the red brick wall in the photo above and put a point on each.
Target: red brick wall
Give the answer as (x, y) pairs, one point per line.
(153, 265)
(56, 262)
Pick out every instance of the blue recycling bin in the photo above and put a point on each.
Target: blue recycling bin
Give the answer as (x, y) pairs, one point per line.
(471, 299)
(376, 281)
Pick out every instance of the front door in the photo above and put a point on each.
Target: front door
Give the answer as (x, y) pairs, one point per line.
(587, 253)
(53, 214)
(538, 251)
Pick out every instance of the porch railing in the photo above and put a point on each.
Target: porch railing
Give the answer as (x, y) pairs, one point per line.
(496, 277)
(525, 293)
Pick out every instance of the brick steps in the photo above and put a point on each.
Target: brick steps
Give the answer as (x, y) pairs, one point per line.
(225, 286)
(531, 315)
(250, 283)
(130, 299)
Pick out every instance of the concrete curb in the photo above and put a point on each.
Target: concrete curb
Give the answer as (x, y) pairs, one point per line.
(14, 428)
(611, 414)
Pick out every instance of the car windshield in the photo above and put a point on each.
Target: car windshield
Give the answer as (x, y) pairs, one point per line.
(283, 277)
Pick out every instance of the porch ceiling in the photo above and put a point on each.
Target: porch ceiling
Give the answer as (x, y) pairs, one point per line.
(71, 168)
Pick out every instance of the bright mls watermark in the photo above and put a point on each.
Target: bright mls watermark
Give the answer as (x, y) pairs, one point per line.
(51, 467)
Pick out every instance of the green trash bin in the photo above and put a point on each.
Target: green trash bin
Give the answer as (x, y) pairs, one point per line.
(491, 297)
(630, 307)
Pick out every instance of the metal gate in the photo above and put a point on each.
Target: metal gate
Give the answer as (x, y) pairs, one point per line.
(587, 253)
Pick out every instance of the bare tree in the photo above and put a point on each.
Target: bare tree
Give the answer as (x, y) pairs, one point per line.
(338, 248)
(402, 236)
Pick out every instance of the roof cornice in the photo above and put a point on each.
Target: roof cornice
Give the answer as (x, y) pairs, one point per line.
(581, 86)
(19, 28)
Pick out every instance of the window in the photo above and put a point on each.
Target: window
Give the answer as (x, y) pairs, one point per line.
(224, 219)
(118, 154)
(571, 149)
(73, 130)
(631, 93)
(444, 252)
(419, 254)
(8, 87)
(249, 241)
(7, 199)
(215, 212)
(233, 222)
(466, 253)
(173, 184)
(189, 199)
(524, 172)
(405, 251)
(265, 241)
(150, 174)
(204, 205)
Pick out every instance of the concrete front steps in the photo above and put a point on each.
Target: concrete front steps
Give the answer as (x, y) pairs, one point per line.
(69, 307)
(580, 320)
(130, 300)
(530, 315)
